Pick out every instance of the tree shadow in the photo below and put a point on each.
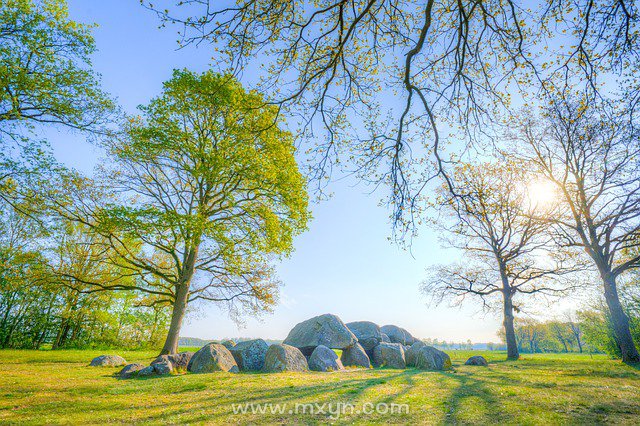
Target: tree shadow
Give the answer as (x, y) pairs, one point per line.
(473, 390)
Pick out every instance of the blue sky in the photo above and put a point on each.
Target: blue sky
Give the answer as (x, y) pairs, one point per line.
(344, 264)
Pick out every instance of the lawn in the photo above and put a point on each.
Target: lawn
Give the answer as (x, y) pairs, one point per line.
(57, 387)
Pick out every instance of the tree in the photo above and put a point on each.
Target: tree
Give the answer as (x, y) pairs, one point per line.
(45, 70)
(209, 192)
(576, 330)
(503, 244)
(329, 62)
(45, 79)
(591, 156)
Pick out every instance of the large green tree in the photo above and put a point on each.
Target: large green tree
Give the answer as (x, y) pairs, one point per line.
(207, 193)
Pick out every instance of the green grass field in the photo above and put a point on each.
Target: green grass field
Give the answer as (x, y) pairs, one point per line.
(58, 387)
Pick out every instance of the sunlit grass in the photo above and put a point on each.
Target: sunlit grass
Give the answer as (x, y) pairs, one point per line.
(57, 387)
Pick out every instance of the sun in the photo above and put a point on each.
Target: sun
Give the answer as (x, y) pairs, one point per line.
(541, 193)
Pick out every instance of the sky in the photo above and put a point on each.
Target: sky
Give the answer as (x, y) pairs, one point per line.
(345, 264)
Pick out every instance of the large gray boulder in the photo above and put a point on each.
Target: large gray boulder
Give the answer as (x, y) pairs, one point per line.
(477, 360)
(326, 330)
(163, 368)
(398, 334)
(411, 353)
(249, 355)
(147, 371)
(108, 361)
(389, 355)
(324, 359)
(430, 358)
(355, 356)
(228, 344)
(178, 362)
(284, 358)
(130, 370)
(212, 357)
(367, 333)
(385, 338)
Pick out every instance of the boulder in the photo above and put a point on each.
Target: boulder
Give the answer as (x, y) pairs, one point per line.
(130, 370)
(411, 353)
(367, 333)
(398, 334)
(147, 371)
(355, 356)
(228, 344)
(108, 361)
(212, 357)
(178, 361)
(250, 355)
(163, 368)
(385, 338)
(430, 358)
(326, 330)
(389, 355)
(324, 359)
(477, 360)
(284, 358)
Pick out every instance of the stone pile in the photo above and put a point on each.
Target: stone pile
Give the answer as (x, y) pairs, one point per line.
(310, 345)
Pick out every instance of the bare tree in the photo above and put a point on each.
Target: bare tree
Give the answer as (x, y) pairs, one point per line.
(576, 330)
(592, 156)
(504, 246)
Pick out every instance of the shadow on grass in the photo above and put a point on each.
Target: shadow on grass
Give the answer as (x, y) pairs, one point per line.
(473, 397)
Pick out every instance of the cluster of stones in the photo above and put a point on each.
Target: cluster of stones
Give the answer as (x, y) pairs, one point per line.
(309, 346)
(363, 344)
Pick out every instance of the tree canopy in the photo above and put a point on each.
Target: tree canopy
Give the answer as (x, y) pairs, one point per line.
(207, 191)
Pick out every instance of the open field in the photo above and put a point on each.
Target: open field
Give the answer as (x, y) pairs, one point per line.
(57, 387)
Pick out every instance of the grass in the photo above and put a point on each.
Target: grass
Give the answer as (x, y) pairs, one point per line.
(57, 387)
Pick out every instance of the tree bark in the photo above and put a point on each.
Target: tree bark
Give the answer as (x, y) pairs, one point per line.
(620, 320)
(179, 308)
(509, 330)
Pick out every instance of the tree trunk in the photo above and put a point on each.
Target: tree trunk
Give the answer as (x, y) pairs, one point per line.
(509, 330)
(620, 321)
(179, 308)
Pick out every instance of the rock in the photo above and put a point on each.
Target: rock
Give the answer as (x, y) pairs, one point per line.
(326, 330)
(250, 355)
(355, 356)
(385, 338)
(108, 361)
(163, 368)
(430, 358)
(411, 353)
(147, 371)
(367, 333)
(228, 344)
(398, 334)
(178, 361)
(477, 360)
(324, 359)
(130, 370)
(284, 358)
(212, 357)
(389, 355)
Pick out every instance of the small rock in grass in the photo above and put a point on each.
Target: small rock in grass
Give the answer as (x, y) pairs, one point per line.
(108, 361)
(477, 360)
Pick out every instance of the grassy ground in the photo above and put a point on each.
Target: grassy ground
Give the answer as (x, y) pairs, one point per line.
(57, 387)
